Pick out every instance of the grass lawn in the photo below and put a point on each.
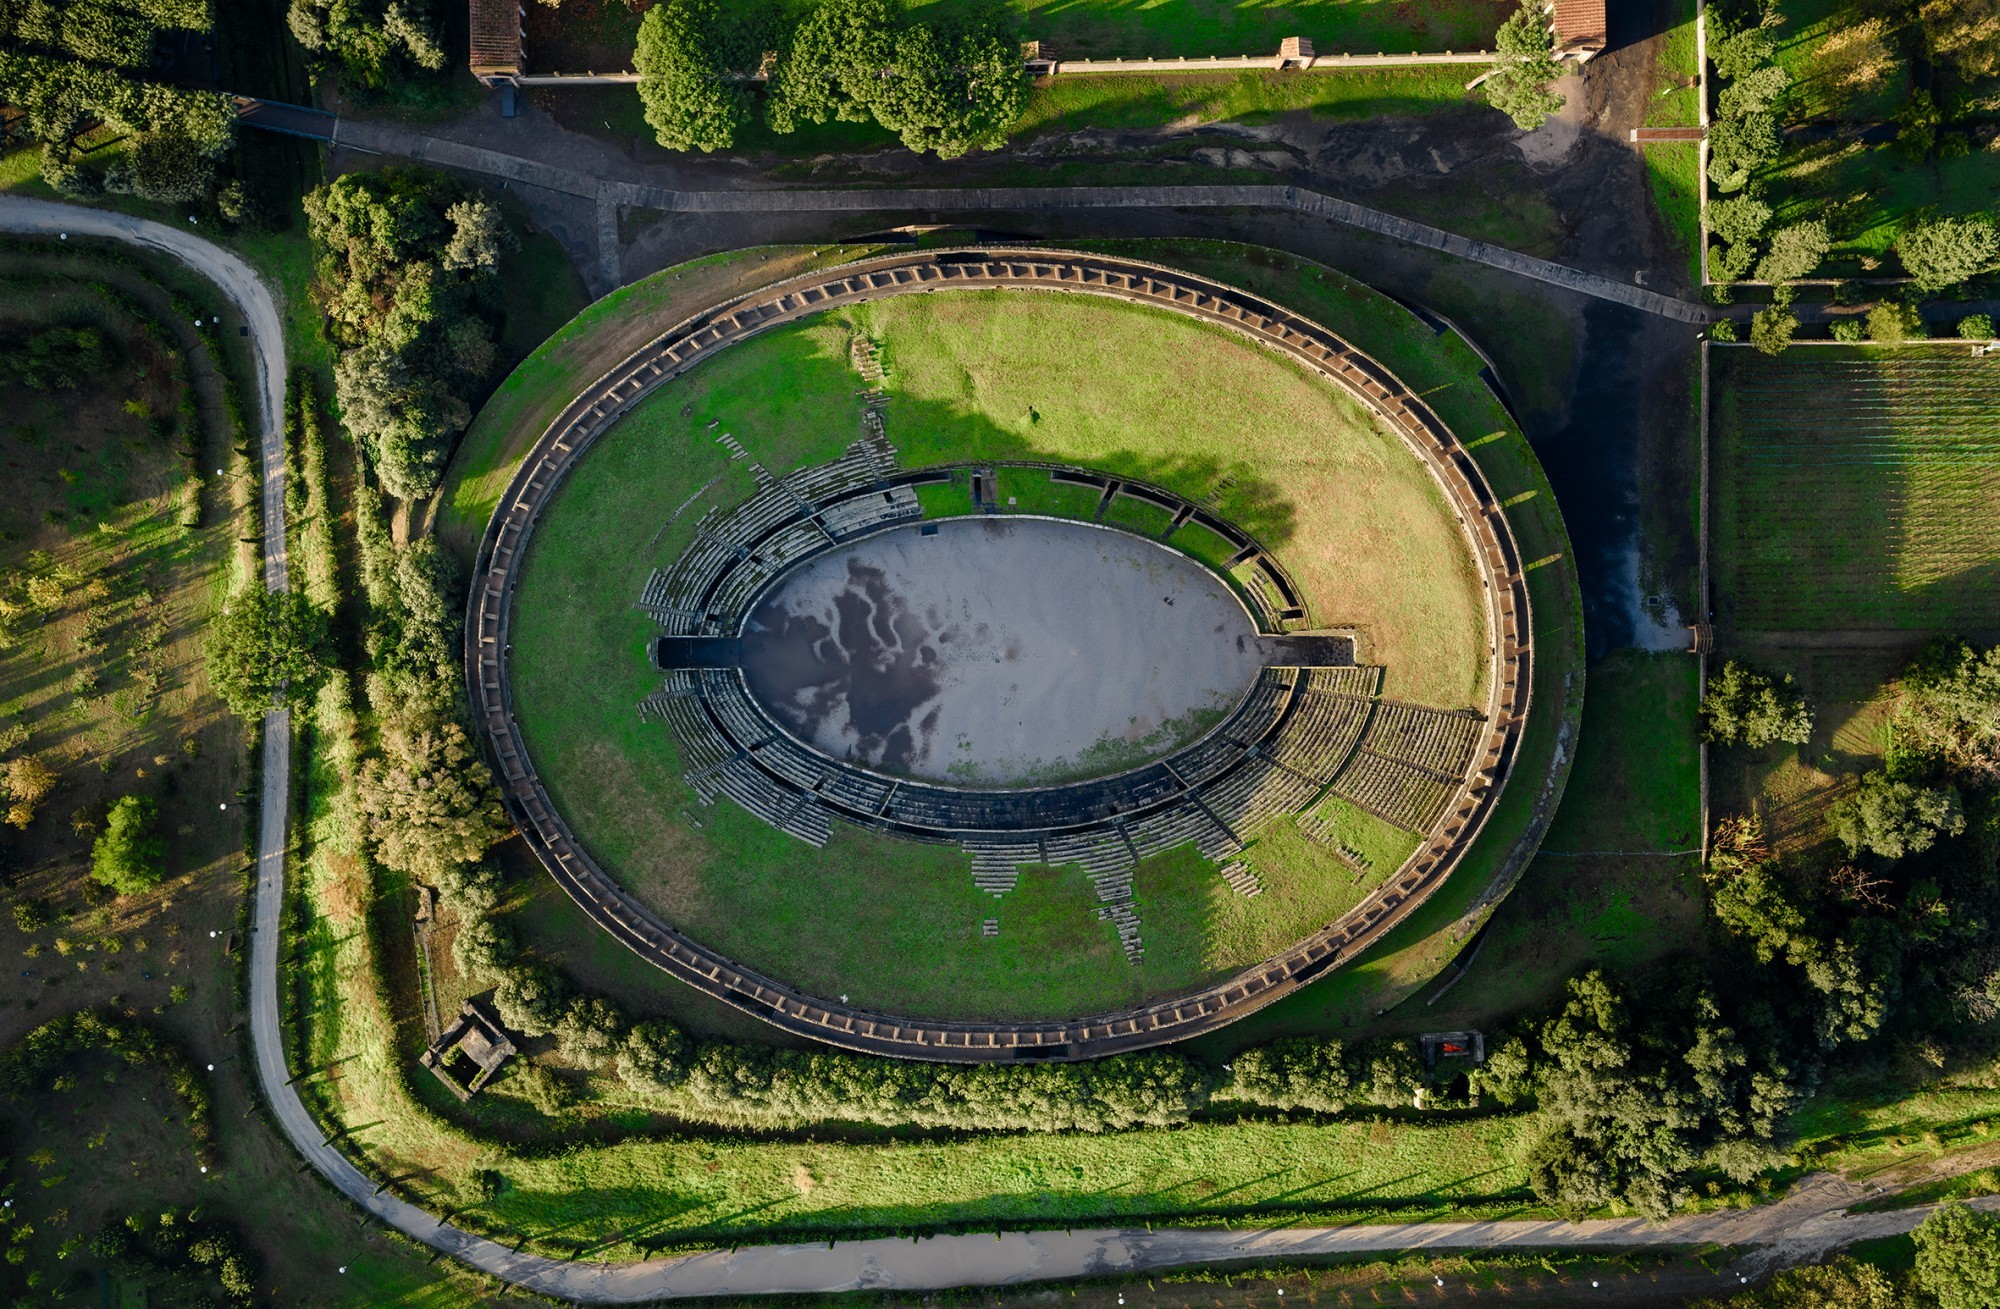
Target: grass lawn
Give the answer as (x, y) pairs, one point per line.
(1673, 170)
(973, 376)
(1856, 489)
(104, 681)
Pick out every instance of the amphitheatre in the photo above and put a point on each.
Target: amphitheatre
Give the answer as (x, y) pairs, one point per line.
(944, 670)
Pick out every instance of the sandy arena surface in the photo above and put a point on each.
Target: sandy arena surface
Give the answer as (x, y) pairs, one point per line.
(1000, 651)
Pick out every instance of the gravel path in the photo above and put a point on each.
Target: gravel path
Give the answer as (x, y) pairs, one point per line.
(1805, 1225)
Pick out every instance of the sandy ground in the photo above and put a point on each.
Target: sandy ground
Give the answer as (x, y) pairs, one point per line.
(1000, 651)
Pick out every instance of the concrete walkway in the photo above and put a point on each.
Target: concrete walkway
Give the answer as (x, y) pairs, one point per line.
(391, 139)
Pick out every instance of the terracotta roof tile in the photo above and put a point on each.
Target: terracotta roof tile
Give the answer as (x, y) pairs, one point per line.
(496, 36)
(1580, 24)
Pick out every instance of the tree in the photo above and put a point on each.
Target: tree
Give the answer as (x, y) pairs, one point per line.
(478, 236)
(1738, 54)
(1893, 322)
(429, 799)
(1894, 818)
(1569, 1175)
(590, 1031)
(1740, 218)
(1749, 707)
(1526, 63)
(833, 64)
(127, 856)
(654, 1056)
(1739, 146)
(1772, 329)
(1958, 1257)
(693, 58)
(26, 780)
(954, 87)
(1963, 34)
(1942, 252)
(268, 646)
(531, 998)
(1951, 712)
(1753, 92)
(1796, 250)
(1298, 1072)
(376, 45)
(406, 418)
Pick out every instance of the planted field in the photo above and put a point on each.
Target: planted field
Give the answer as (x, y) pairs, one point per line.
(1857, 489)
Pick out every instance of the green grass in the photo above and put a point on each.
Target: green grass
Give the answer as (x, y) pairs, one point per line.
(1098, 29)
(1638, 769)
(1673, 170)
(973, 376)
(1855, 489)
(1070, 104)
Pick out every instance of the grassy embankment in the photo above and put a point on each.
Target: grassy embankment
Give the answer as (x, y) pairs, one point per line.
(1854, 493)
(992, 376)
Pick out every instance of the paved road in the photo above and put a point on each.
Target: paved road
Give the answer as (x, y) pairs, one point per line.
(391, 139)
(1808, 1223)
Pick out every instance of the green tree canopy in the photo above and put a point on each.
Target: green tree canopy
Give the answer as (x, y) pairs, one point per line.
(128, 856)
(1796, 249)
(1526, 64)
(1749, 707)
(1942, 252)
(832, 65)
(1739, 146)
(1772, 329)
(1958, 1257)
(429, 799)
(946, 87)
(1894, 818)
(1739, 218)
(694, 59)
(267, 646)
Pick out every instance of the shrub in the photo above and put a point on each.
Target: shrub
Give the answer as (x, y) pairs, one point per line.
(1976, 327)
(32, 914)
(1722, 329)
(128, 856)
(1847, 329)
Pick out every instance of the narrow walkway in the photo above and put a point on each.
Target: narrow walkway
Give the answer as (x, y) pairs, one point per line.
(390, 139)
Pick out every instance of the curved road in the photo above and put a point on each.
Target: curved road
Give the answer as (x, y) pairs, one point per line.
(1803, 1226)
